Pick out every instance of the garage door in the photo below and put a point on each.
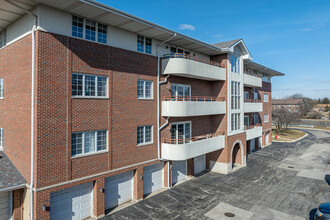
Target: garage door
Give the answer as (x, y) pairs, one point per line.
(267, 138)
(118, 189)
(199, 164)
(252, 145)
(153, 178)
(179, 171)
(4, 205)
(72, 203)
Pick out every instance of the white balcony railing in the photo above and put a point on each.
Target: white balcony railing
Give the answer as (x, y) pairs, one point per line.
(253, 131)
(252, 105)
(183, 106)
(252, 81)
(192, 67)
(183, 149)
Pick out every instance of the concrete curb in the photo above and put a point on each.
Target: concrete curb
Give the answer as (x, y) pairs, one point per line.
(292, 140)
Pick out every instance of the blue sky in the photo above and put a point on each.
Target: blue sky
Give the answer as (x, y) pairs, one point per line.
(291, 36)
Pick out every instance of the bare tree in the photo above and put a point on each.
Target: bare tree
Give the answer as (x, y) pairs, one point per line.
(282, 118)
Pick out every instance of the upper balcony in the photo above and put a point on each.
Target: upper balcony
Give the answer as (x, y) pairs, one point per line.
(184, 106)
(252, 105)
(253, 131)
(252, 81)
(179, 64)
(183, 149)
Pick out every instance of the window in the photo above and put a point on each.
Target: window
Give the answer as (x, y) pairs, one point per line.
(144, 89)
(90, 30)
(181, 92)
(89, 85)
(266, 118)
(181, 132)
(88, 142)
(3, 38)
(246, 121)
(144, 135)
(235, 121)
(235, 64)
(144, 44)
(265, 97)
(77, 26)
(246, 95)
(235, 95)
(1, 88)
(1, 137)
(266, 78)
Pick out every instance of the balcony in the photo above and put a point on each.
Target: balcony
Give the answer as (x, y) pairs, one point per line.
(184, 106)
(252, 81)
(253, 131)
(183, 149)
(192, 67)
(252, 105)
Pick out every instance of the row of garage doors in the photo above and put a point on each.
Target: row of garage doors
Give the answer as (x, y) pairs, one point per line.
(77, 202)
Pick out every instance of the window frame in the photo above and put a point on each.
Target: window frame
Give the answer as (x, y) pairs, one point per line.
(96, 30)
(235, 122)
(2, 88)
(144, 135)
(267, 118)
(184, 128)
(235, 95)
(96, 86)
(83, 143)
(144, 90)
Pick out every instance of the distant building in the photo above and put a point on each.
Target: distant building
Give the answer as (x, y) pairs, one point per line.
(291, 105)
(321, 108)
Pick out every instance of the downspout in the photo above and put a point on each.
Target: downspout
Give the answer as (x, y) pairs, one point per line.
(158, 101)
(32, 99)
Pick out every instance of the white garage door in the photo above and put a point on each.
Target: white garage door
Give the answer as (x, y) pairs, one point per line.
(118, 189)
(72, 203)
(199, 164)
(4, 205)
(179, 171)
(153, 178)
(267, 138)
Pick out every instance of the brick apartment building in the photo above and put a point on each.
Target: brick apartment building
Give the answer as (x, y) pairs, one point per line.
(99, 107)
(292, 105)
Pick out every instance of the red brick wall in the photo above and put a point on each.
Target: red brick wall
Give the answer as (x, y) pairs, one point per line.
(59, 115)
(267, 106)
(15, 108)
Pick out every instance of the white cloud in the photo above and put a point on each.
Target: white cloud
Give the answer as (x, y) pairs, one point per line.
(188, 27)
(217, 35)
(306, 29)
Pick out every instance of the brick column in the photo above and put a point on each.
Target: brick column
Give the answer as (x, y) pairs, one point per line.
(190, 167)
(98, 197)
(167, 166)
(138, 183)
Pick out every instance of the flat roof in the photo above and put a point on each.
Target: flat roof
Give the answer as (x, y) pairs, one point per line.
(260, 68)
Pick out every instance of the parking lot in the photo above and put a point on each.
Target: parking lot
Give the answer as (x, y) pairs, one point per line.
(281, 181)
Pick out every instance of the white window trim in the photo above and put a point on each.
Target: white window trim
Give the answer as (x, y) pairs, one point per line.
(266, 95)
(84, 30)
(144, 44)
(1, 139)
(183, 85)
(183, 122)
(144, 90)
(96, 96)
(83, 144)
(144, 135)
(267, 118)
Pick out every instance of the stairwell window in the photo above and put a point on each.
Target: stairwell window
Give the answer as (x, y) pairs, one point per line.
(265, 97)
(144, 135)
(144, 89)
(83, 85)
(89, 142)
(266, 118)
(235, 95)
(89, 30)
(1, 89)
(235, 121)
(144, 44)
